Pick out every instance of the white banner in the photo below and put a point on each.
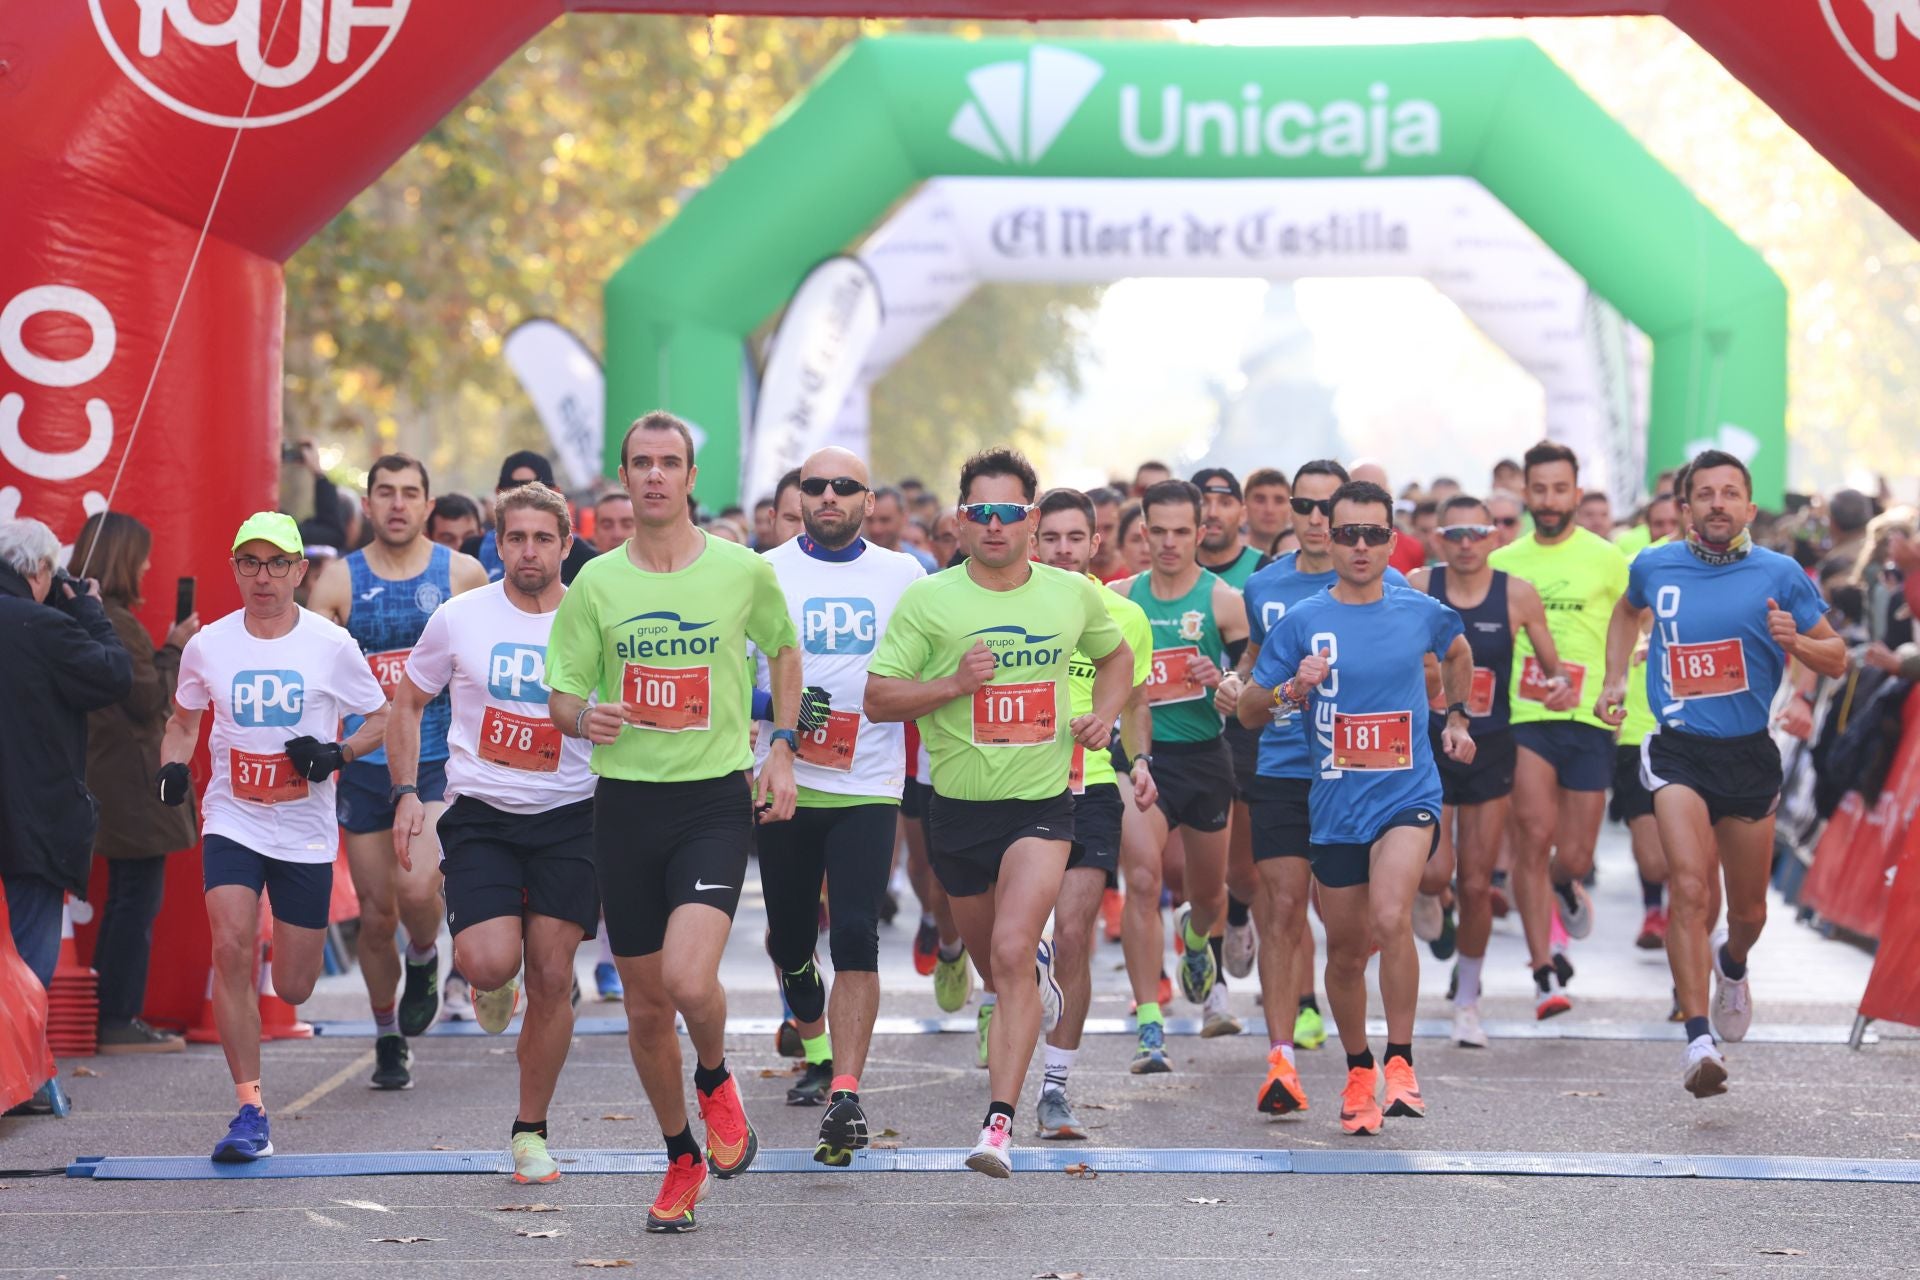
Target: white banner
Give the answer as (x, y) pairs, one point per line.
(569, 392)
(818, 349)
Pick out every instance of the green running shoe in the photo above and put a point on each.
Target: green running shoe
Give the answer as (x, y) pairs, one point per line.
(953, 982)
(1150, 1058)
(1309, 1031)
(982, 1023)
(531, 1163)
(494, 1010)
(1197, 968)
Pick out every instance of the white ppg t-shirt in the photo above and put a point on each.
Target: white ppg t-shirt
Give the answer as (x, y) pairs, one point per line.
(840, 609)
(265, 693)
(502, 749)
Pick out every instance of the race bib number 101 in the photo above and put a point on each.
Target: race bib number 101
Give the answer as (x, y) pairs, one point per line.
(669, 699)
(1014, 715)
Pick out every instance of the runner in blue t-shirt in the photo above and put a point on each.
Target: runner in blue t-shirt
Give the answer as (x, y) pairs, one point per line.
(1727, 616)
(1352, 661)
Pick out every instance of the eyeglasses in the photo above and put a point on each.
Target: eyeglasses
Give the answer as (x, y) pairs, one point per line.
(1307, 506)
(1507, 522)
(844, 486)
(1465, 532)
(250, 566)
(988, 512)
(1352, 535)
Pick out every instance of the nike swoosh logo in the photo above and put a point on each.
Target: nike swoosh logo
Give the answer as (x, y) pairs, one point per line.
(701, 886)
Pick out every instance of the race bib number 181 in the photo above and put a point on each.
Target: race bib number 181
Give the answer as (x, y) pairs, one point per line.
(1383, 741)
(669, 699)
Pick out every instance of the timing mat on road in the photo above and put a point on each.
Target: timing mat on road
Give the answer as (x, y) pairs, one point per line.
(1425, 1028)
(1080, 1162)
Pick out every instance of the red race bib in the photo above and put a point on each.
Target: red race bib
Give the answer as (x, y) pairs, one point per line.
(265, 779)
(1014, 715)
(1382, 742)
(1077, 771)
(1711, 669)
(388, 668)
(669, 699)
(519, 742)
(1169, 681)
(831, 745)
(1533, 680)
(1479, 695)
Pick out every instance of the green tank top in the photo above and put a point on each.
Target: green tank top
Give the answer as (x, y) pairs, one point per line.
(1184, 628)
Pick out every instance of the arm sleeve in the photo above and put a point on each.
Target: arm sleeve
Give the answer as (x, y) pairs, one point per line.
(430, 665)
(1256, 617)
(769, 626)
(574, 650)
(1617, 567)
(1636, 592)
(1139, 634)
(904, 648)
(1279, 656)
(1801, 599)
(1100, 634)
(193, 690)
(354, 684)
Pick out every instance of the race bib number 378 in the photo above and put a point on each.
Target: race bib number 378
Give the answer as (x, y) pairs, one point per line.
(519, 742)
(1014, 715)
(669, 699)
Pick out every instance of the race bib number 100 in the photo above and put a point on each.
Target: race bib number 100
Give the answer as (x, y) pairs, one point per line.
(519, 742)
(1013, 715)
(1381, 742)
(669, 699)
(265, 779)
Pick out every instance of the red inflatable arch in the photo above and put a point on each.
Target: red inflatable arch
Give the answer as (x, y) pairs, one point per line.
(122, 118)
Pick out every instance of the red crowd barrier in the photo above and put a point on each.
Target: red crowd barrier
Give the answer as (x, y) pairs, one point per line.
(25, 1058)
(1847, 883)
(1893, 990)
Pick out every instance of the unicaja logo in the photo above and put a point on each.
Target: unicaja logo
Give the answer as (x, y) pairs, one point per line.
(1882, 38)
(1015, 110)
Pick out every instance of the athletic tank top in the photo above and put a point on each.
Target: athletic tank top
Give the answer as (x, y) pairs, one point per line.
(1490, 634)
(1182, 709)
(387, 618)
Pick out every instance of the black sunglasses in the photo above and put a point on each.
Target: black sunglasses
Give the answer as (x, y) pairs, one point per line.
(1352, 535)
(1465, 532)
(1307, 506)
(845, 486)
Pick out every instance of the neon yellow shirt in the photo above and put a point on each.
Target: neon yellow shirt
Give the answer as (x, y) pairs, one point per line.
(1135, 630)
(1578, 580)
(1010, 740)
(1640, 719)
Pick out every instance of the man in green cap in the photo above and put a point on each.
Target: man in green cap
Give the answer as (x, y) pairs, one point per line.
(279, 679)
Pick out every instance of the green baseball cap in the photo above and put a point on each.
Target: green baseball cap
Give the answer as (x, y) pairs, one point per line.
(271, 526)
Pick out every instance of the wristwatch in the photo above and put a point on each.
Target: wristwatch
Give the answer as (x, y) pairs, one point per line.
(1461, 708)
(404, 789)
(787, 736)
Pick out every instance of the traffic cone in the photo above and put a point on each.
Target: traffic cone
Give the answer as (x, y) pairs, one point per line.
(278, 1020)
(73, 999)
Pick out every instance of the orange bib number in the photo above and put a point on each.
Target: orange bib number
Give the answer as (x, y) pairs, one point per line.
(1533, 680)
(1479, 696)
(831, 745)
(519, 742)
(1713, 669)
(388, 668)
(1013, 715)
(1169, 681)
(265, 779)
(670, 699)
(1382, 742)
(1077, 771)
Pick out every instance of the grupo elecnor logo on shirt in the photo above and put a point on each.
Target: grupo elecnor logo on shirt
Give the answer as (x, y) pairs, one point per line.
(517, 672)
(662, 634)
(838, 624)
(1015, 646)
(268, 699)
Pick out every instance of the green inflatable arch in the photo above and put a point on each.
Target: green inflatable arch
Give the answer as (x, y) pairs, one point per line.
(890, 113)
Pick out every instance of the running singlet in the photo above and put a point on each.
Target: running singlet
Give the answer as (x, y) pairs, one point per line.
(840, 602)
(1236, 572)
(1009, 741)
(1269, 594)
(1578, 580)
(1367, 719)
(503, 749)
(1713, 667)
(1096, 767)
(1640, 720)
(1183, 629)
(265, 693)
(1489, 629)
(386, 618)
(672, 649)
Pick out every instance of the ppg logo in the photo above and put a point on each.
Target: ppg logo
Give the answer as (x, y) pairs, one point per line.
(517, 673)
(268, 699)
(833, 625)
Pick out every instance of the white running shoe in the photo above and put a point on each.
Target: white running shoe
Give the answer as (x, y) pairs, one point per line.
(993, 1154)
(1052, 999)
(494, 1010)
(1218, 1019)
(456, 1000)
(1467, 1031)
(1578, 920)
(1428, 919)
(1732, 1001)
(1240, 949)
(1706, 1073)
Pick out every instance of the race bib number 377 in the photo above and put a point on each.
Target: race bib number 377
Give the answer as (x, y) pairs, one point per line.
(669, 699)
(1013, 715)
(268, 778)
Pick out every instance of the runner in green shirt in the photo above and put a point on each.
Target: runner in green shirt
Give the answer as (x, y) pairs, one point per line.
(648, 661)
(978, 654)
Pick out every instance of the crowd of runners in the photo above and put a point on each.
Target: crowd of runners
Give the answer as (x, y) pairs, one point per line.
(1240, 700)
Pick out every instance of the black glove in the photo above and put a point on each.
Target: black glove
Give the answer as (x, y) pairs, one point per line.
(815, 704)
(316, 760)
(174, 782)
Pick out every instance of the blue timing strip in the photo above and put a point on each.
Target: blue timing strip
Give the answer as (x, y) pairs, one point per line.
(1040, 1160)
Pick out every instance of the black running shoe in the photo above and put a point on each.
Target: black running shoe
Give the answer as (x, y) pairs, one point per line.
(1442, 946)
(810, 1090)
(1562, 967)
(843, 1131)
(787, 1040)
(420, 997)
(391, 1060)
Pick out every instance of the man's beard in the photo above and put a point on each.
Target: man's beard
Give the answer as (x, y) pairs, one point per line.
(841, 538)
(1551, 523)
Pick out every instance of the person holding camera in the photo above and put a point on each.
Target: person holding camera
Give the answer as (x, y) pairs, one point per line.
(59, 659)
(136, 832)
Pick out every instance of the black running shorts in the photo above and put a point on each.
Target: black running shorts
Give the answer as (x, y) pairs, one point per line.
(1278, 809)
(1737, 777)
(662, 845)
(1096, 829)
(506, 864)
(968, 838)
(1341, 866)
(1631, 799)
(1195, 780)
(851, 848)
(1489, 777)
(1581, 754)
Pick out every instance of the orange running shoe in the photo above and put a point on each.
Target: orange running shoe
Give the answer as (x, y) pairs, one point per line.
(1166, 992)
(731, 1142)
(1283, 1092)
(687, 1184)
(1359, 1107)
(1110, 906)
(1403, 1091)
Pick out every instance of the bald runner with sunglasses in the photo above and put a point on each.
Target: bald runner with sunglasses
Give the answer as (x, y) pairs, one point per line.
(1494, 606)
